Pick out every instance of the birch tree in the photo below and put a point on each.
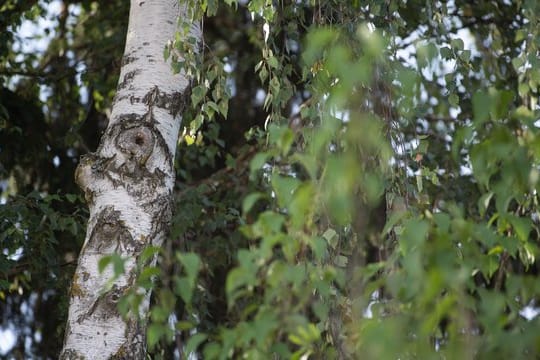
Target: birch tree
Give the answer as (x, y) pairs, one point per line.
(128, 185)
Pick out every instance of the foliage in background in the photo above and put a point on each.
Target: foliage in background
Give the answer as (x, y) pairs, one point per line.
(59, 64)
(354, 179)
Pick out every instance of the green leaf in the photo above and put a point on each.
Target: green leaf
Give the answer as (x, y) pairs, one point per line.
(213, 350)
(282, 136)
(263, 74)
(309, 162)
(319, 247)
(341, 178)
(457, 44)
(481, 106)
(273, 62)
(191, 262)
(154, 334)
(213, 106)
(212, 6)
(496, 250)
(321, 310)
(250, 200)
(149, 253)
(193, 343)
(103, 262)
(184, 288)
(302, 204)
(394, 219)
(223, 107)
(184, 325)
(284, 186)
(236, 279)
(446, 53)
(149, 272)
(275, 86)
(115, 260)
(268, 223)
(118, 265)
(258, 161)
(443, 222)
(522, 226)
(453, 100)
(502, 101)
(465, 55)
(332, 237)
(196, 123)
(414, 235)
(198, 93)
(72, 198)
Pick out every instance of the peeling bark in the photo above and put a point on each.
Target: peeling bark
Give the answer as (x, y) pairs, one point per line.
(128, 184)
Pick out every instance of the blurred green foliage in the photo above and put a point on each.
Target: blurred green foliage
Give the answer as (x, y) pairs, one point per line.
(355, 179)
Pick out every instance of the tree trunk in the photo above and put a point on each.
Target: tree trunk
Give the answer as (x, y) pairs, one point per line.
(128, 184)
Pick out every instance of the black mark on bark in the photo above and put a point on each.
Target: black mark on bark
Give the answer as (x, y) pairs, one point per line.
(128, 79)
(126, 59)
(175, 102)
(110, 234)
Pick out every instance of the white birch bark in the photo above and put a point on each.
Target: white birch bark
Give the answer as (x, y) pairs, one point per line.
(128, 184)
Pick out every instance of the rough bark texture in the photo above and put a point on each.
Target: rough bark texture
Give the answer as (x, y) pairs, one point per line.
(128, 185)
